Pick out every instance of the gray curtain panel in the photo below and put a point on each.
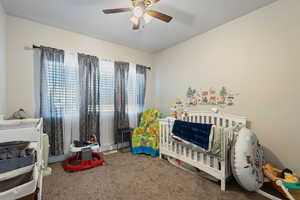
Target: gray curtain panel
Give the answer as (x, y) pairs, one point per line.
(89, 77)
(121, 119)
(141, 78)
(52, 96)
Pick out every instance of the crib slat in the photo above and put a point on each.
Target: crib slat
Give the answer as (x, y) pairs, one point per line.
(208, 160)
(212, 120)
(194, 155)
(167, 136)
(201, 157)
(194, 118)
(198, 119)
(161, 134)
(216, 163)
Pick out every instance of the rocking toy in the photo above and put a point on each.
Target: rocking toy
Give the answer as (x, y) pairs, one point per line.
(284, 181)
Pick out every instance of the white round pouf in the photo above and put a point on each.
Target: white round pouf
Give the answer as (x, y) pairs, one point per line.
(247, 160)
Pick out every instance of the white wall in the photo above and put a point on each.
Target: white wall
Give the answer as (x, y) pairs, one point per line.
(20, 75)
(2, 60)
(257, 55)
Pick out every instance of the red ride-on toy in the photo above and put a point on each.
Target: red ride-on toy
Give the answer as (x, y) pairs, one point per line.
(86, 156)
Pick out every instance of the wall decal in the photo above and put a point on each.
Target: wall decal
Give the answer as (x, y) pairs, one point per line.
(222, 97)
(178, 109)
(210, 96)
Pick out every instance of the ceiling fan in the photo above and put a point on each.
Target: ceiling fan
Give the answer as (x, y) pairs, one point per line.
(141, 12)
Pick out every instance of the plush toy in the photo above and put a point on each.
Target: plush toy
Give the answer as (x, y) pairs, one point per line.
(284, 181)
(178, 109)
(274, 174)
(93, 139)
(20, 114)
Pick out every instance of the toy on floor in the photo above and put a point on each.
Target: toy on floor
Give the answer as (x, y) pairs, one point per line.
(86, 155)
(75, 163)
(145, 138)
(285, 181)
(93, 139)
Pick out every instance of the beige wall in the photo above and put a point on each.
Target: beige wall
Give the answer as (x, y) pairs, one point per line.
(257, 55)
(20, 75)
(2, 59)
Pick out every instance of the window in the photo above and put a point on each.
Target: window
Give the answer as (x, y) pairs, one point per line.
(56, 86)
(63, 85)
(64, 88)
(72, 84)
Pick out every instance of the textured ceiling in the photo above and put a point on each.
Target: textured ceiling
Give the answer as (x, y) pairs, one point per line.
(191, 17)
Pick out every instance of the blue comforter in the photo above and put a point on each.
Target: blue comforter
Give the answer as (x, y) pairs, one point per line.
(196, 133)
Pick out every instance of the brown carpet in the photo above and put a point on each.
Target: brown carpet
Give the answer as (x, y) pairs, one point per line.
(136, 177)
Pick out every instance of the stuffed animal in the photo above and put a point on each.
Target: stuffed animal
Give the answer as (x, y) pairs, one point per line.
(20, 114)
(274, 174)
(93, 139)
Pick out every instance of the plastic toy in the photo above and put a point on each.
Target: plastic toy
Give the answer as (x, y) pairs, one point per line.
(74, 163)
(85, 155)
(93, 139)
(284, 181)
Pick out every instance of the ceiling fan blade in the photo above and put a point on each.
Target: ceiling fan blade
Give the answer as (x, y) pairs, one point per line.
(159, 15)
(136, 26)
(155, 1)
(117, 10)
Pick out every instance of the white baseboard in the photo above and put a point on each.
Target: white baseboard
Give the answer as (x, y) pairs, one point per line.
(113, 147)
(54, 159)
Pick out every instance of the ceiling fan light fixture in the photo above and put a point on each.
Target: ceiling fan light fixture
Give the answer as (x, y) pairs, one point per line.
(138, 11)
(147, 18)
(134, 20)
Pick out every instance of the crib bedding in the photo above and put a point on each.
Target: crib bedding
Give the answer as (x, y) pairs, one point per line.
(196, 133)
(216, 143)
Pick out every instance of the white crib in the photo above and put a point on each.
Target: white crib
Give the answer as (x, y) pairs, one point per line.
(220, 169)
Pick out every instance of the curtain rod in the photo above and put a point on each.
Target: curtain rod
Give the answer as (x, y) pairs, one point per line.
(35, 47)
(38, 47)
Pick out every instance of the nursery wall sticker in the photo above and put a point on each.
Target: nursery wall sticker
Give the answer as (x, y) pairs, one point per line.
(210, 96)
(178, 109)
(221, 97)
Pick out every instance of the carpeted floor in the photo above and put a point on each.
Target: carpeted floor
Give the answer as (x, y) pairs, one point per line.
(131, 177)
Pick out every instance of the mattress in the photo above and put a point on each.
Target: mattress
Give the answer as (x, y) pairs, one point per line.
(16, 124)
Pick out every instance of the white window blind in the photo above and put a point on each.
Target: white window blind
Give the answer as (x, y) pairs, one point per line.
(56, 86)
(132, 96)
(72, 84)
(107, 84)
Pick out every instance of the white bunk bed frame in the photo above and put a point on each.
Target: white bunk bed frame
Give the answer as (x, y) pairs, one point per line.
(34, 135)
(208, 163)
